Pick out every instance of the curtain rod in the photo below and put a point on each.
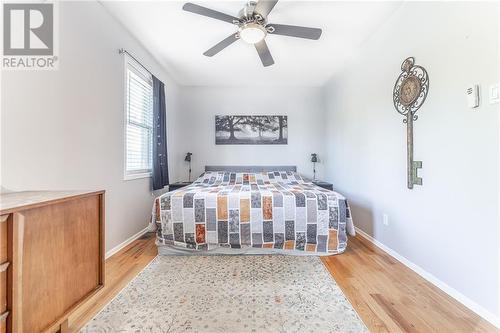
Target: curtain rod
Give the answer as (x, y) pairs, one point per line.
(122, 51)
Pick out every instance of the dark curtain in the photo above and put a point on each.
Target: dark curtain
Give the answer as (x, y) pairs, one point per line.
(160, 163)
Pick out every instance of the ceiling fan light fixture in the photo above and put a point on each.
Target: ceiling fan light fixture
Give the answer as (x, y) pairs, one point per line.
(252, 33)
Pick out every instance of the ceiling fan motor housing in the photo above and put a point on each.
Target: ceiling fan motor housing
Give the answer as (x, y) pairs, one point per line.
(248, 10)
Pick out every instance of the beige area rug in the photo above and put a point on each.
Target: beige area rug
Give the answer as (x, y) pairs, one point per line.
(230, 294)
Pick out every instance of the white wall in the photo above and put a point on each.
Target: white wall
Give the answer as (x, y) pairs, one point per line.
(449, 226)
(64, 129)
(303, 106)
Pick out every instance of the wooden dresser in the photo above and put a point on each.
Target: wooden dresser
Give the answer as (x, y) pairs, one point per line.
(51, 257)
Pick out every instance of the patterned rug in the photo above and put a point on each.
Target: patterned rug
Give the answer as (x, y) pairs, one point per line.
(230, 294)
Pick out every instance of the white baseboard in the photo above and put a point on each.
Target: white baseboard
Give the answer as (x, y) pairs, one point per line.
(127, 242)
(473, 306)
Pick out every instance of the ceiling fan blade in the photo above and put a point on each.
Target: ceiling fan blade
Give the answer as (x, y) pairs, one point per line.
(193, 8)
(264, 53)
(221, 45)
(264, 7)
(296, 31)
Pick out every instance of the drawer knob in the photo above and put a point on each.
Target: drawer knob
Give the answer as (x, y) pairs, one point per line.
(4, 266)
(4, 316)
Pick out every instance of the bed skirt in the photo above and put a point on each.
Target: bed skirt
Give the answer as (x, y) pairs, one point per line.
(172, 250)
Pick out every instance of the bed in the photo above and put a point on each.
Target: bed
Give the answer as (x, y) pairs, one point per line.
(252, 210)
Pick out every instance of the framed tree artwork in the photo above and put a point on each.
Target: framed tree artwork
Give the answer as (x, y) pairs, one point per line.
(251, 130)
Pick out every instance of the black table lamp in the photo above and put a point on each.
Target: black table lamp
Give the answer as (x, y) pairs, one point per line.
(314, 159)
(188, 159)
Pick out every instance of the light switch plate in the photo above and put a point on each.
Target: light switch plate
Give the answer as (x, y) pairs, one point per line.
(494, 94)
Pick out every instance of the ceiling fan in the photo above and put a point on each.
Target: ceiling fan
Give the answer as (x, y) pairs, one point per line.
(253, 27)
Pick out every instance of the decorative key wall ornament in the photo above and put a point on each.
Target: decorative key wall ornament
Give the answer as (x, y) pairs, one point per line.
(409, 94)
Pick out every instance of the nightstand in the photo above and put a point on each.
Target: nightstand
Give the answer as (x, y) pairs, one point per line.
(325, 185)
(178, 185)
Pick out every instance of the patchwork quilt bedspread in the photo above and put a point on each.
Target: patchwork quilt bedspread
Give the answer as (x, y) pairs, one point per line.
(278, 210)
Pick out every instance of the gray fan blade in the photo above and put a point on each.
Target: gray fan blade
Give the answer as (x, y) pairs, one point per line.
(264, 54)
(296, 31)
(221, 45)
(191, 7)
(264, 7)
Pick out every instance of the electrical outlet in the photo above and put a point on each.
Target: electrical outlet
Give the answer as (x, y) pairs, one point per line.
(385, 219)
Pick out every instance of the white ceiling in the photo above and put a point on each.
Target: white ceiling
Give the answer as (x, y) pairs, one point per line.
(177, 40)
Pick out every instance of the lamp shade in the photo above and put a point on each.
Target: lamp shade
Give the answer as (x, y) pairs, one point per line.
(188, 157)
(314, 158)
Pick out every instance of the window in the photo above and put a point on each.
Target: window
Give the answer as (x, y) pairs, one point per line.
(139, 120)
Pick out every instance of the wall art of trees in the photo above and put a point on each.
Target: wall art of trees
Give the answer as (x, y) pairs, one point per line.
(251, 130)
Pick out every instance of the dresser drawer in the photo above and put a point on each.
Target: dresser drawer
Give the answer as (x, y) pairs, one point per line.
(4, 265)
(3, 238)
(3, 287)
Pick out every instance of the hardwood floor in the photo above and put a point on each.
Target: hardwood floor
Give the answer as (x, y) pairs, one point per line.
(120, 269)
(388, 296)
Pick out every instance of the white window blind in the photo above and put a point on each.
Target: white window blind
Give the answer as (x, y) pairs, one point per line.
(139, 115)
